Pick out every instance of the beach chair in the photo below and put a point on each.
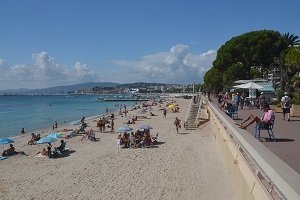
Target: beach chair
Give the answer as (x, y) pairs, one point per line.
(269, 128)
(232, 111)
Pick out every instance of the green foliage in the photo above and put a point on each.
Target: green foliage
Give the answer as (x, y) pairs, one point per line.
(232, 74)
(292, 56)
(246, 56)
(257, 48)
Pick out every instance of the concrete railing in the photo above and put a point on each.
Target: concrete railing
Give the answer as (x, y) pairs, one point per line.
(256, 172)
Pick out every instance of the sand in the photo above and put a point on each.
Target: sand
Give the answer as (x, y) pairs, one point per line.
(181, 166)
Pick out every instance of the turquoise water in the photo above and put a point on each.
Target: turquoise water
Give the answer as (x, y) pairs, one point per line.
(39, 112)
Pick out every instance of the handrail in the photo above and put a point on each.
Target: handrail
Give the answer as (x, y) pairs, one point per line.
(283, 177)
(200, 100)
(188, 111)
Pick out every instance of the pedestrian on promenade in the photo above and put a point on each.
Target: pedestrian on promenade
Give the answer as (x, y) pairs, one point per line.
(286, 103)
(262, 100)
(177, 124)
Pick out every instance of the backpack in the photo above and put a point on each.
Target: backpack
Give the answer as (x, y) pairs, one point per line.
(287, 101)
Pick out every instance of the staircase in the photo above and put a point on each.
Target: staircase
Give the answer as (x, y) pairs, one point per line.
(194, 111)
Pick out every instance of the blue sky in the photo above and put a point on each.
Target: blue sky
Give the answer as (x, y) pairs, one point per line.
(61, 42)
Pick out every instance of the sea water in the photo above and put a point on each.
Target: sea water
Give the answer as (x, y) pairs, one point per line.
(41, 112)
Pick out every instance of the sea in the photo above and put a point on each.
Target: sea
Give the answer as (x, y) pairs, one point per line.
(35, 113)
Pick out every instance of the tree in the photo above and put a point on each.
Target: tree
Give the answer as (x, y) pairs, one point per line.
(291, 40)
(244, 57)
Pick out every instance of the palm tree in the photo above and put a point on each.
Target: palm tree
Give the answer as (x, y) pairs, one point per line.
(291, 39)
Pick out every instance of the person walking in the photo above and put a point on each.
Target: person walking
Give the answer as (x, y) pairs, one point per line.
(262, 100)
(165, 112)
(177, 124)
(286, 104)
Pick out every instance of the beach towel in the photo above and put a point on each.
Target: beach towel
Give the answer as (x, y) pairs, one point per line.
(3, 158)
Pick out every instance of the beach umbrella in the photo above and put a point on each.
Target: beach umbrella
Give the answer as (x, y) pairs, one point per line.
(123, 129)
(6, 141)
(250, 85)
(145, 126)
(44, 140)
(171, 106)
(55, 135)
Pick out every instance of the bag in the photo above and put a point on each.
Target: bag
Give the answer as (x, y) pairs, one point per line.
(287, 102)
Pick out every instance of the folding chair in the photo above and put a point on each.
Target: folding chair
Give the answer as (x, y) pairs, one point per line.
(233, 111)
(269, 128)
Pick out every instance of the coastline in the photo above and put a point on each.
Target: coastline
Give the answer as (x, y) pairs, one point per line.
(181, 166)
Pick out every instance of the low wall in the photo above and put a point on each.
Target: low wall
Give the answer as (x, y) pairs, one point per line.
(255, 171)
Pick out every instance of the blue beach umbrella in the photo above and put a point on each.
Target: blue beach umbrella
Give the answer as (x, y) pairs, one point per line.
(123, 129)
(44, 140)
(55, 135)
(6, 141)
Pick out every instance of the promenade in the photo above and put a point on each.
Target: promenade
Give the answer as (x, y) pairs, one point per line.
(287, 145)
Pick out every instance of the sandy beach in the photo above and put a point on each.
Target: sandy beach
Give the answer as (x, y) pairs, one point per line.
(181, 166)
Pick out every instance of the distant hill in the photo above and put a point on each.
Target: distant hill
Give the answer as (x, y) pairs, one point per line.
(59, 89)
(140, 85)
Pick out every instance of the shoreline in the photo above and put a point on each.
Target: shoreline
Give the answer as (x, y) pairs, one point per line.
(101, 170)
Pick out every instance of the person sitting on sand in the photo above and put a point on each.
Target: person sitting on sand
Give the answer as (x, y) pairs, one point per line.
(43, 152)
(91, 135)
(265, 121)
(33, 140)
(49, 152)
(10, 151)
(38, 137)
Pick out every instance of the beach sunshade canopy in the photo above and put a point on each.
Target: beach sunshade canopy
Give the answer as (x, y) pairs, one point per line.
(6, 141)
(250, 85)
(123, 129)
(44, 140)
(171, 106)
(55, 135)
(145, 126)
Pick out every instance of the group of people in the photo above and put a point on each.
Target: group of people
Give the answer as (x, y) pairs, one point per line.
(135, 139)
(55, 153)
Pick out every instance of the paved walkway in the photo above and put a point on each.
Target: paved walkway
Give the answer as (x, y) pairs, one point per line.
(287, 145)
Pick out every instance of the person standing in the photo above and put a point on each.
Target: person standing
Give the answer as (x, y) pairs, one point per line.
(112, 125)
(22, 131)
(177, 124)
(237, 99)
(165, 112)
(261, 99)
(286, 103)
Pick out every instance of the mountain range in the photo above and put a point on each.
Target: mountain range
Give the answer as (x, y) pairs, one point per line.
(58, 89)
(71, 88)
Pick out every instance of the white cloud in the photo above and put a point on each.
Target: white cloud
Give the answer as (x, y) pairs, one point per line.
(44, 72)
(175, 66)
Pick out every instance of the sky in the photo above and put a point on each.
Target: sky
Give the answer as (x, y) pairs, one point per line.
(62, 42)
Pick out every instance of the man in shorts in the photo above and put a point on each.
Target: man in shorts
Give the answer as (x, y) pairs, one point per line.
(286, 104)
